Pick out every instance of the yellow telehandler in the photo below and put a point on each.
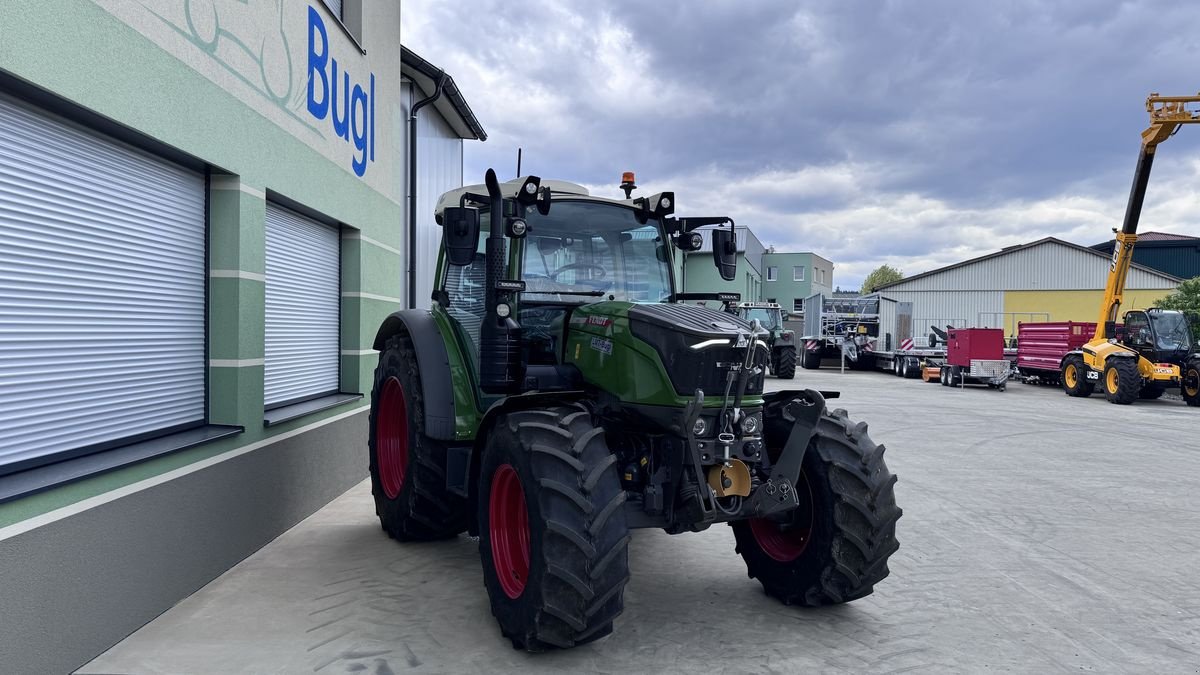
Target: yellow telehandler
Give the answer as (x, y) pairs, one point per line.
(1156, 350)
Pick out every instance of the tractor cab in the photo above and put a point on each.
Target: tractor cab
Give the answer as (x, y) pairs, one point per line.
(1159, 335)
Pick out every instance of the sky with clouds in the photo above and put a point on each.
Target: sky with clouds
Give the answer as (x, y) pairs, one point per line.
(915, 134)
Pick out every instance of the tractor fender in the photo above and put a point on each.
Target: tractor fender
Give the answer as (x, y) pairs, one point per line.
(433, 365)
(504, 405)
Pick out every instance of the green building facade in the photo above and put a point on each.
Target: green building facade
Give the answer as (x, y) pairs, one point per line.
(789, 278)
(203, 220)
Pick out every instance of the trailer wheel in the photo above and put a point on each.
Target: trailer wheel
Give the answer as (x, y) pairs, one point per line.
(408, 469)
(811, 359)
(835, 546)
(1189, 384)
(1122, 381)
(552, 534)
(785, 360)
(1074, 377)
(904, 368)
(912, 368)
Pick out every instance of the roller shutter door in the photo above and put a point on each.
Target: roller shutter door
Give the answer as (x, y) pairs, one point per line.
(303, 301)
(334, 6)
(102, 291)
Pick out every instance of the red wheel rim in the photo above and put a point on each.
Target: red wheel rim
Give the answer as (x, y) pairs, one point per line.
(508, 524)
(786, 542)
(779, 544)
(391, 437)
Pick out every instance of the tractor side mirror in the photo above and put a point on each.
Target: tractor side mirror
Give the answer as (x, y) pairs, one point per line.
(725, 253)
(460, 234)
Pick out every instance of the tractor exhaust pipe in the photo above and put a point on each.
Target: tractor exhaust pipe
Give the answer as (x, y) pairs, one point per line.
(500, 367)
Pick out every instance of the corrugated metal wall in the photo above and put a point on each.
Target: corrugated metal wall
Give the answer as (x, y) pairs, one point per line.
(439, 168)
(954, 308)
(1048, 266)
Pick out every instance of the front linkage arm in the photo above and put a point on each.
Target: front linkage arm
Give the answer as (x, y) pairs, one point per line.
(779, 492)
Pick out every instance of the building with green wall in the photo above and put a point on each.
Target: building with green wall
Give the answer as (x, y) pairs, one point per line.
(203, 220)
(700, 275)
(789, 278)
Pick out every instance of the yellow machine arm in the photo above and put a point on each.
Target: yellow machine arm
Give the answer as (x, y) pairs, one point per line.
(1167, 113)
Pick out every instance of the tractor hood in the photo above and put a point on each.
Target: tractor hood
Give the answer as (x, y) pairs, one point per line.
(692, 320)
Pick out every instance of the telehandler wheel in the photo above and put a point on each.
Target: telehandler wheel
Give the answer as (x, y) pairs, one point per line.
(1122, 381)
(552, 534)
(811, 359)
(1074, 377)
(1190, 385)
(408, 469)
(785, 363)
(835, 546)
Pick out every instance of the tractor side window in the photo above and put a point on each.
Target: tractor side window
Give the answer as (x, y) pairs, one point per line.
(644, 283)
(465, 286)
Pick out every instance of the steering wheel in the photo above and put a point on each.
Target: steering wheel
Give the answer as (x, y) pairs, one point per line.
(579, 266)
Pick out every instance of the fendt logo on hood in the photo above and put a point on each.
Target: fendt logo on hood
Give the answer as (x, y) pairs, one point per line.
(353, 110)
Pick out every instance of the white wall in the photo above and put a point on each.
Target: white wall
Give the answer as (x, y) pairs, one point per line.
(439, 169)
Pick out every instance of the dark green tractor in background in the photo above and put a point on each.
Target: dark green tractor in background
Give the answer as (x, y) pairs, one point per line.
(560, 393)
(781, 341)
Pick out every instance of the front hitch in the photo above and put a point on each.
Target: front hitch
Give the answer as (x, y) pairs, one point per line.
(779, 492)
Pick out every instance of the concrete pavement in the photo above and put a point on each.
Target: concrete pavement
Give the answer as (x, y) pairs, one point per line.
(1041, 534)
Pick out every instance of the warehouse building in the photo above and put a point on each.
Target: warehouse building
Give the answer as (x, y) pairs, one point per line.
(203, 219)
(1175, 254)
(1046, 280)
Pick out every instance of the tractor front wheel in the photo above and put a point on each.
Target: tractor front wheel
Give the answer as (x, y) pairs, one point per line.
(552, 534)
(785, 363)
(834, 546)
(408, 469)
(1122, 381)
(1074, 377)
(1190, 386)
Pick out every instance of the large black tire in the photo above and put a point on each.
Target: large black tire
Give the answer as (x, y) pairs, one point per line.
(408, 469)
(1122, 381)
(811, 359)
(1074, 377)
(1189, 386)
(834, 548)
(785, 360)
(575, 535)
(914, 368)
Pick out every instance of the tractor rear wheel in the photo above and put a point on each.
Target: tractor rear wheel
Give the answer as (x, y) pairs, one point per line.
(785, 360)
(552, 534)
(1122, 381)
(408, 469)
(834, 547)
(811, 359)
(1074, 377)
(1189, 387)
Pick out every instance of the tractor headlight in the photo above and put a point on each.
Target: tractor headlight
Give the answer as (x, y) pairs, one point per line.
(503, 310)
(700, 428)
(751, 424)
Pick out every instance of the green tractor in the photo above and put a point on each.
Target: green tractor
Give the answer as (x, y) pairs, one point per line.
(560, 393)
(781, 341)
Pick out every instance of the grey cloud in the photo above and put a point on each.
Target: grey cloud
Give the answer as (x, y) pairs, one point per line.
(985, 114)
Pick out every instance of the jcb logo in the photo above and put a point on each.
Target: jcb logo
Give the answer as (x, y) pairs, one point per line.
(1117, 255)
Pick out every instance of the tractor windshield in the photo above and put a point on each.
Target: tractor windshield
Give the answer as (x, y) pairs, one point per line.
(768, 317)
(1171, 331)
(584, 251)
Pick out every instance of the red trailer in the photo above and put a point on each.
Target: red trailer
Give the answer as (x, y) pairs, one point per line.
(975, 356)
(1042, 346)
